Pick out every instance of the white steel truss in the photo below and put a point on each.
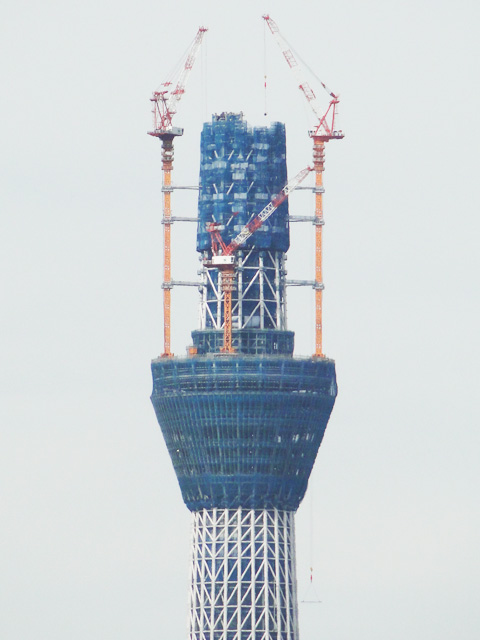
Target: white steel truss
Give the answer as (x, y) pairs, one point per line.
(243, 579)
(262, 271)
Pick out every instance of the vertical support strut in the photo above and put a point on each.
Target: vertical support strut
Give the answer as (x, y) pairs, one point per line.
(319, 165)
(261, 279)
(240, 288)
(167, 162)
(228, 286)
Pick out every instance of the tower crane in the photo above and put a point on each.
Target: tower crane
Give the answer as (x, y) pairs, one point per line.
(225, 261)
(323, 131)
(165, 104)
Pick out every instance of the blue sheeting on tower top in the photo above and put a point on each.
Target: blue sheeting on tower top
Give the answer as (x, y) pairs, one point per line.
(241, 169)
(243, 431)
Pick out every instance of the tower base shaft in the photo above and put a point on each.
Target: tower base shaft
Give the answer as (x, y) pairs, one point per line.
(243, 582)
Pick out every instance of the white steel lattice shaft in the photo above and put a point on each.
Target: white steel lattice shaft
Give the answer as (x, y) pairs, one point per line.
(265, 271)
(243, 580)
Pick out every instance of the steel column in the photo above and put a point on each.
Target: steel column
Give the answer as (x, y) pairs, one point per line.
(243, 582)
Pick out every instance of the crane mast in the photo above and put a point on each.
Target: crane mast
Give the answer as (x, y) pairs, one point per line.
(323, 131)
(165, 103)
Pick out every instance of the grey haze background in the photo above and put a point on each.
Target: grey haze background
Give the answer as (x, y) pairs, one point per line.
(94, 536)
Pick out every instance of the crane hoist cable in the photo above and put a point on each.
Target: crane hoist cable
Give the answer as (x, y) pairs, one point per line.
(323, 127)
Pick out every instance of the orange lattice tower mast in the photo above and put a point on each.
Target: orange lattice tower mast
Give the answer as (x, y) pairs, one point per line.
(165, 103)
(323, 131)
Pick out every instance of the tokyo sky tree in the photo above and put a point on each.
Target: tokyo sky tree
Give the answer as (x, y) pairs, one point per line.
(243, 427)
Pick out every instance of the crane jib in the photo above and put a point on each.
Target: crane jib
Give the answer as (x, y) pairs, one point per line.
(257, 222)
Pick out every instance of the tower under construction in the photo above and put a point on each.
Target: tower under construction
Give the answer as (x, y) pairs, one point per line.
(242, 417)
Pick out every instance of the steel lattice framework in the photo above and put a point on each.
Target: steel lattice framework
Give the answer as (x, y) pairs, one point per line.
(259, 297)
(243, 583)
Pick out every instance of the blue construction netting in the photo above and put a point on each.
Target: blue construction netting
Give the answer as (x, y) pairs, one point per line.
(241, 169)
(252, 342)
(243, 431)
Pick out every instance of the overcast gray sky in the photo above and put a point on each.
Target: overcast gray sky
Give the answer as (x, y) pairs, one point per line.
(95, 537)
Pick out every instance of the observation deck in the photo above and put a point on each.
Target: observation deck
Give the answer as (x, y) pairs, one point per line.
(243, 431)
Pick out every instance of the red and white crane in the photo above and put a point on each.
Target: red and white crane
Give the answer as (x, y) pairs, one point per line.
(165, 103)
(166, 99)
(323, 131)
(225, 261)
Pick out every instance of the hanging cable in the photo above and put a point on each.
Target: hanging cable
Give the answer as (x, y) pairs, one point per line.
(311, 533)
(311, 596)
(206, 81)
(204, 75)
(265, 111)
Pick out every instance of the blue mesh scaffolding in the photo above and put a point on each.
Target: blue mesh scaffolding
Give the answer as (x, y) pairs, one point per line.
(243, 431)
(241, 169)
